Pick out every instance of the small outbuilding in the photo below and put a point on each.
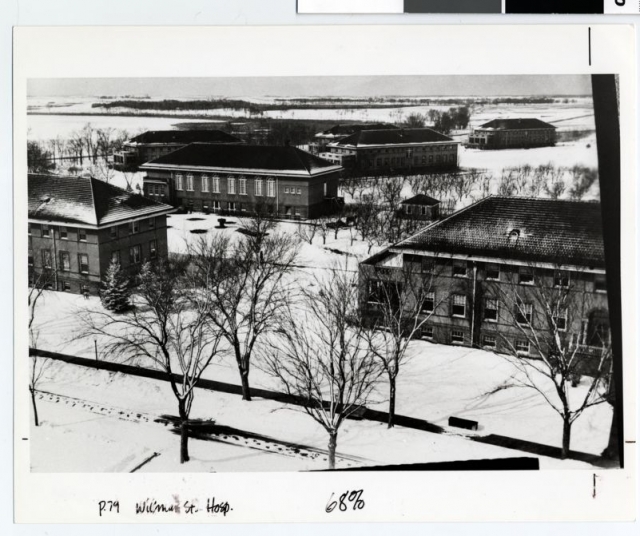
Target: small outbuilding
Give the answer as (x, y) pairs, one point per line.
(420, 207)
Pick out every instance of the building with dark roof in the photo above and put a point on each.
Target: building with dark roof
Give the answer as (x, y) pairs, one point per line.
(499, 253)
(338, 132)
(155, 143)
(237, 178)
(398, 149)
(79, 225)
(512, 133)
(420, 207)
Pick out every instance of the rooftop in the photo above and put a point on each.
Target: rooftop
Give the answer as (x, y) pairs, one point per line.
(393, 137)
(421, 199)
(516, 124)
(85, 201)
(345, 130)
(184, 137)
(244, 157)
(521, 229)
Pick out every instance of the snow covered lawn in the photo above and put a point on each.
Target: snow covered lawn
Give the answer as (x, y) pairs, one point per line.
(75, 438)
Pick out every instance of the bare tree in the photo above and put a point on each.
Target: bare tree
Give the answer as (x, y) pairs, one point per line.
(38, 364)
(168, 328)
(307, 230)
(248, 289)
(398, 304)
(554, 348)
(321, 354)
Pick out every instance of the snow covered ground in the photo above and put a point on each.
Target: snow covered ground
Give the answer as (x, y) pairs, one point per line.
(79, 435)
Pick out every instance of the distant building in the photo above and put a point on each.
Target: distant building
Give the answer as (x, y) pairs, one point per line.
(236, 178)
(155, 143)
(420, 207)
(499, 251)
(78, 225)
(398, 149)
(338, 132)
(512, 133)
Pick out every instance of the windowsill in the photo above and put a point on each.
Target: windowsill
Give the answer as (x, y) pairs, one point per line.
(457, 343)
(525, 282)
(464, 317)
(598, 291)
(492, 279)
(491, 320)
(460, 276)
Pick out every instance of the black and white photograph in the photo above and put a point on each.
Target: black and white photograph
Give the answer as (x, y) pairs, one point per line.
(290, 274)
(341, 274)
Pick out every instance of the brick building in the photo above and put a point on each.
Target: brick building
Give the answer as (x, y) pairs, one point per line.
(512, 133)
(339, 132)
(78, 225)
(493, 268)
(155, 143)
(236, 178)
(398, 149)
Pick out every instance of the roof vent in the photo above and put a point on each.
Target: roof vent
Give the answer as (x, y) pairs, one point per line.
(514, 234)
(45, 198)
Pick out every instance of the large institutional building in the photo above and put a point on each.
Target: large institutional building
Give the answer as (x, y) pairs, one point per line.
(237, 178)
(396, 149)
(491, 271)
(512, 133)
(79, 225)
(155, 143)
(339, 132)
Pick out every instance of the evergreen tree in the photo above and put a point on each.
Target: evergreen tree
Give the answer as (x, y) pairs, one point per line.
(115, 289)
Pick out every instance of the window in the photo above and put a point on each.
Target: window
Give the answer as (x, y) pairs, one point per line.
(231, 185)
(271, 188)
(29, 229)
(242, 186)
(113, 232)
(115, 257)
(134, 255)
(460, 268)
(30, 258)
(524, 312)
(408, 209)
(82, 235)
(134, 227)
(46, 231)
(63, 233)
(492, 271)
(522, 346)
(427, 332)
(190, 182)
(66, 287)
(296, 212)
(525, 275)
(299, 191)
(83, 263)
(46, 258)
(258, 186)
(429, 302)
(286, 190)
(560, 319)
(491, 310)
(423, 211)
(232, 205)
(457, 336)
(600, 283)
(489, 341)
(65, 261)
(215, 185)
(152, 223)
(205, 183)
(179, 185)
(561, 279)
(324, 187)
(459, 305)
(376, 292)
(152, 249)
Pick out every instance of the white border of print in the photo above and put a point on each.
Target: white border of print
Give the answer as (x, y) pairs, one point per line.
(285, 51)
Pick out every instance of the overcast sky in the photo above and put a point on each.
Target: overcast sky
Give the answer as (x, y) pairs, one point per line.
(303, 86)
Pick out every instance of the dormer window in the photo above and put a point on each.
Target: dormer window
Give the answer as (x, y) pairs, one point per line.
(514, 234)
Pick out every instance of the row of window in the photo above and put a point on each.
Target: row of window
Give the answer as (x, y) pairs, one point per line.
(46, 231)
(64, 258)
(456, 336)
(561, 278)
(234, 185)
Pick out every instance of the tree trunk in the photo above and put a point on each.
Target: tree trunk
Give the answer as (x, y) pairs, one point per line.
(244, 378)
(35, 407)
(612, 452)
(184, 432)
(392, 402)
(333, 441)
(566, 438)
